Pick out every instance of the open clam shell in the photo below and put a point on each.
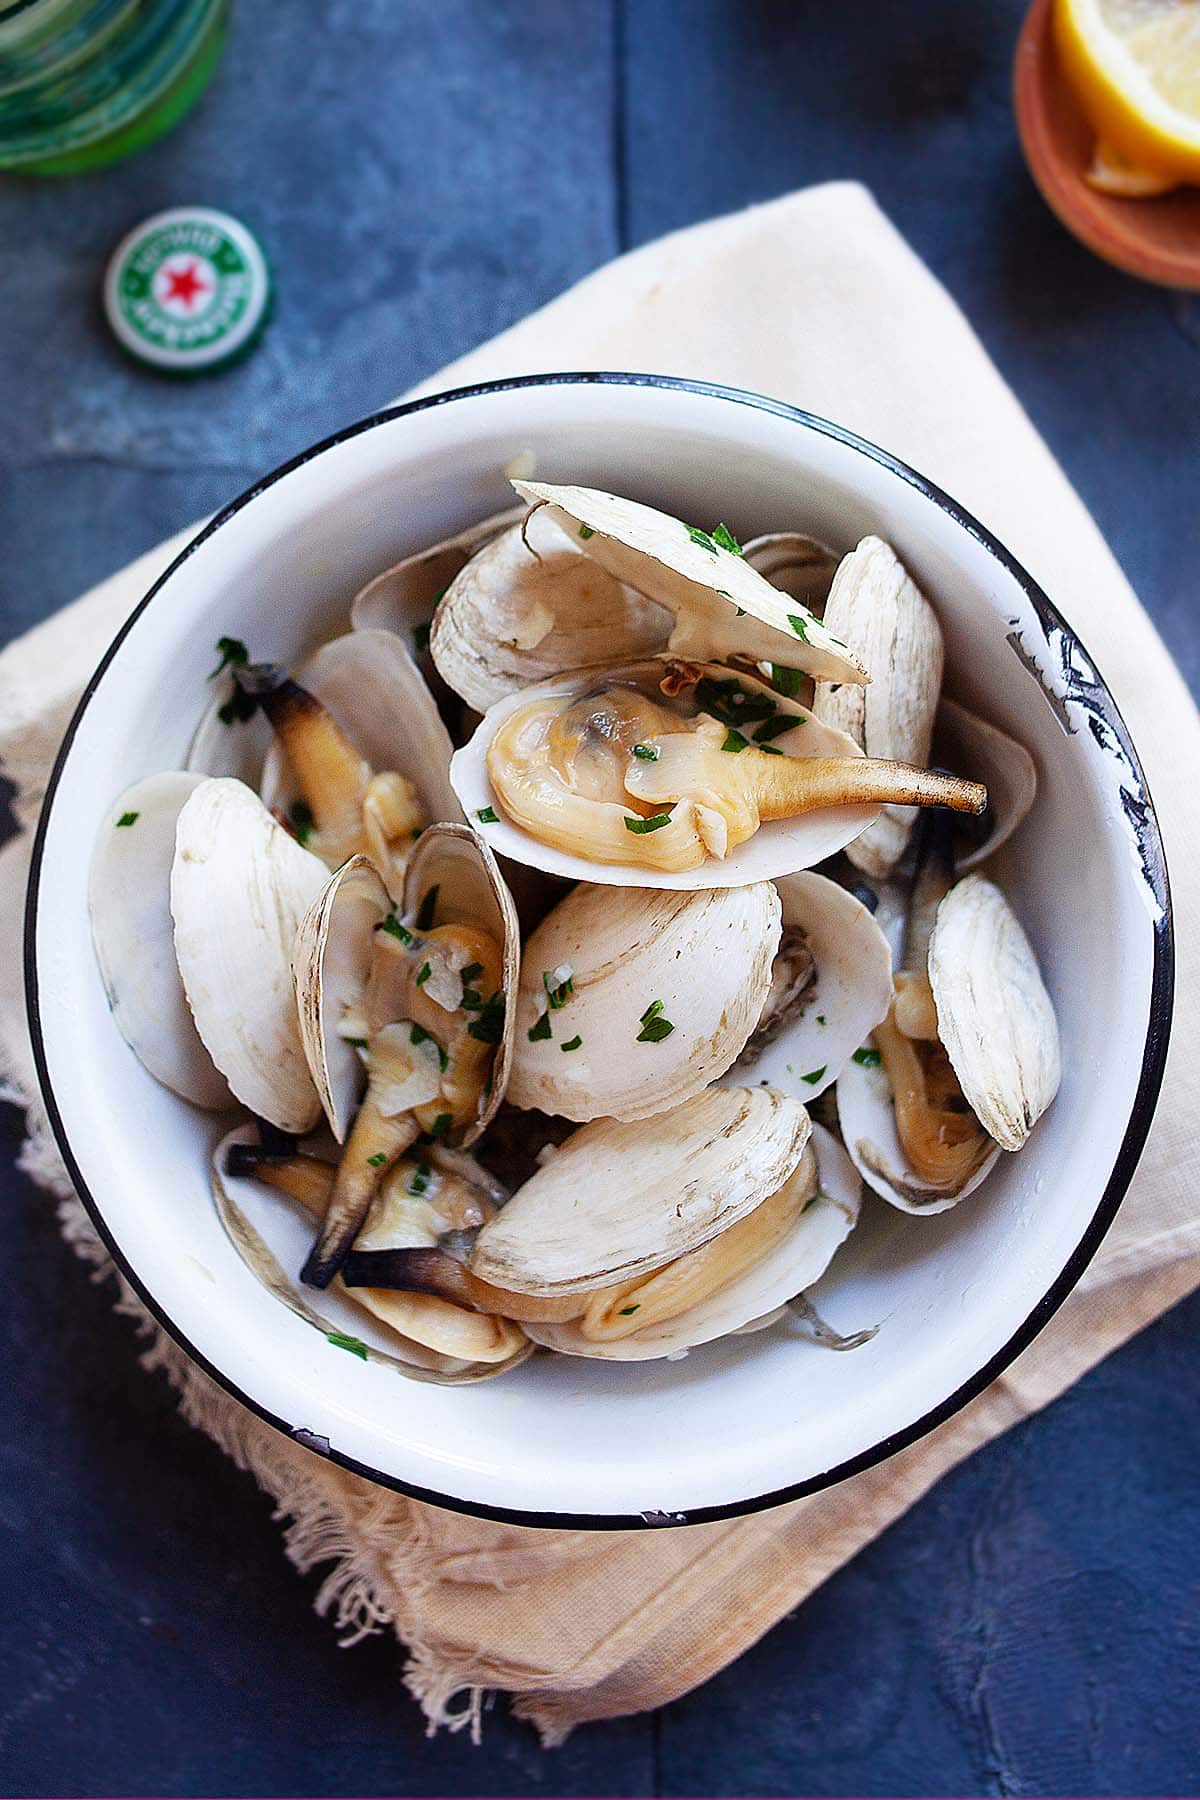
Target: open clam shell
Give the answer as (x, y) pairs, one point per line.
(331, 958)
(779, 847)
(378, 696)
(272, 1232)
(403, 598)
(225, 741)
(995, 1017)
(619, 1198)
(598, 964)
(876, 605)
(981, 751)
(129, 898)
(795, 564)
(452, 878)
(760, 1296)
(530, 604)
(806, 1049)
(240, 886)
(723, 607)
(868, 1125)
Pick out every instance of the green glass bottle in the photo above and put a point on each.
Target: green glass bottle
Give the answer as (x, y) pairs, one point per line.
(84, 82)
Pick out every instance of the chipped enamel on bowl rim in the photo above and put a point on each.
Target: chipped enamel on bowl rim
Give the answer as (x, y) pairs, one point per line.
(739, 1425)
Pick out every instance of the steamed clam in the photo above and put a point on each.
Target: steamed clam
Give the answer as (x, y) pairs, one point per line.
(675, 732)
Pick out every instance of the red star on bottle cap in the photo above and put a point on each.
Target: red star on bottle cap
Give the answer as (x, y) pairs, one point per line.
(184, 284)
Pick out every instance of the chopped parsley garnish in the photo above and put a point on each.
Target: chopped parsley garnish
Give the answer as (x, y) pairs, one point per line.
(731, 703)
(427, 909)
(812, 1201)
(799, 626)
(557, 992)
(725, 538)
(702, 538)
(640, 827)
(341, 1341)
(356, 1043)
(233, 654)
(654, 1027)
(420, 1180)
(814, 1075)
(441, 1125)
(571, 1043)
(472, 972)
(488, 1028)
(302, 821)
(420, 637)
(773, 728)
(734, 741)
(646, 752)
(821, 1019)
(377, 1161)
(627, 1311)
(770, 749)
(240, 707)
(586, 532)
(539, 1032)
(423, 974)
(472, 999)
(127, 818)
(786, 680)
(419, 1035)
(867, 1058)
(395, 929)
(487, 815)
(726, 595)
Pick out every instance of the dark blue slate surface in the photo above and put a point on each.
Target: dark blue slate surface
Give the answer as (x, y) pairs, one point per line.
(422, 176)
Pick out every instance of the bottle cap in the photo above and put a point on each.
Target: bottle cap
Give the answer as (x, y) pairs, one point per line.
(187, 290)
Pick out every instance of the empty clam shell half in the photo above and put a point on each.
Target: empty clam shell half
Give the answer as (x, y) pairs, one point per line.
(378, 696)
(240, 886)
(759, 1296)
(227, 741)
(619, 1198)
(832, 986)
(271, 1232)
(403, 598)
(795, 564)
(129, 898)
(995, 1017)
(778, 847)
(531, 604)
(982, 752)
(589, 1040)
(876, 605)
(723, 607)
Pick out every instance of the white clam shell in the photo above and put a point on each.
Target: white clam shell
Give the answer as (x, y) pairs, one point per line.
(759, 1297)
(704, 588)
(129, 898)
(530, 604)
(851, 994)
(238, 748)
(272, 1234)
(995, 1017)
(973, 747)
(778, 847)
(868, 1126)
(240, 886)
(705, 956)
(618, 1198)
(404, 596)
(875, 603)
(796, 564)
(331, 958)
(377, 694)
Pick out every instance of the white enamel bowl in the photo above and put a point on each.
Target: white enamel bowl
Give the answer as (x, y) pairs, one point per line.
(754, 1420)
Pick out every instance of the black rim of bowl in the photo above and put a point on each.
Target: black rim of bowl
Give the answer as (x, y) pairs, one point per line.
(1107, 727)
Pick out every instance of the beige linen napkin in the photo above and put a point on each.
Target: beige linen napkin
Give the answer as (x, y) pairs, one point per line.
(814, 299)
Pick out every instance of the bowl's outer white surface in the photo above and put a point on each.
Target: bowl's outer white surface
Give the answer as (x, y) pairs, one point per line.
(737, 1421)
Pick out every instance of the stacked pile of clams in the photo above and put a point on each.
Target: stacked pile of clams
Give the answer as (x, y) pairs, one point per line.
(525, 1034)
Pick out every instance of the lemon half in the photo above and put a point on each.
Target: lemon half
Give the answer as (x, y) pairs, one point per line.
(1135, 65)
